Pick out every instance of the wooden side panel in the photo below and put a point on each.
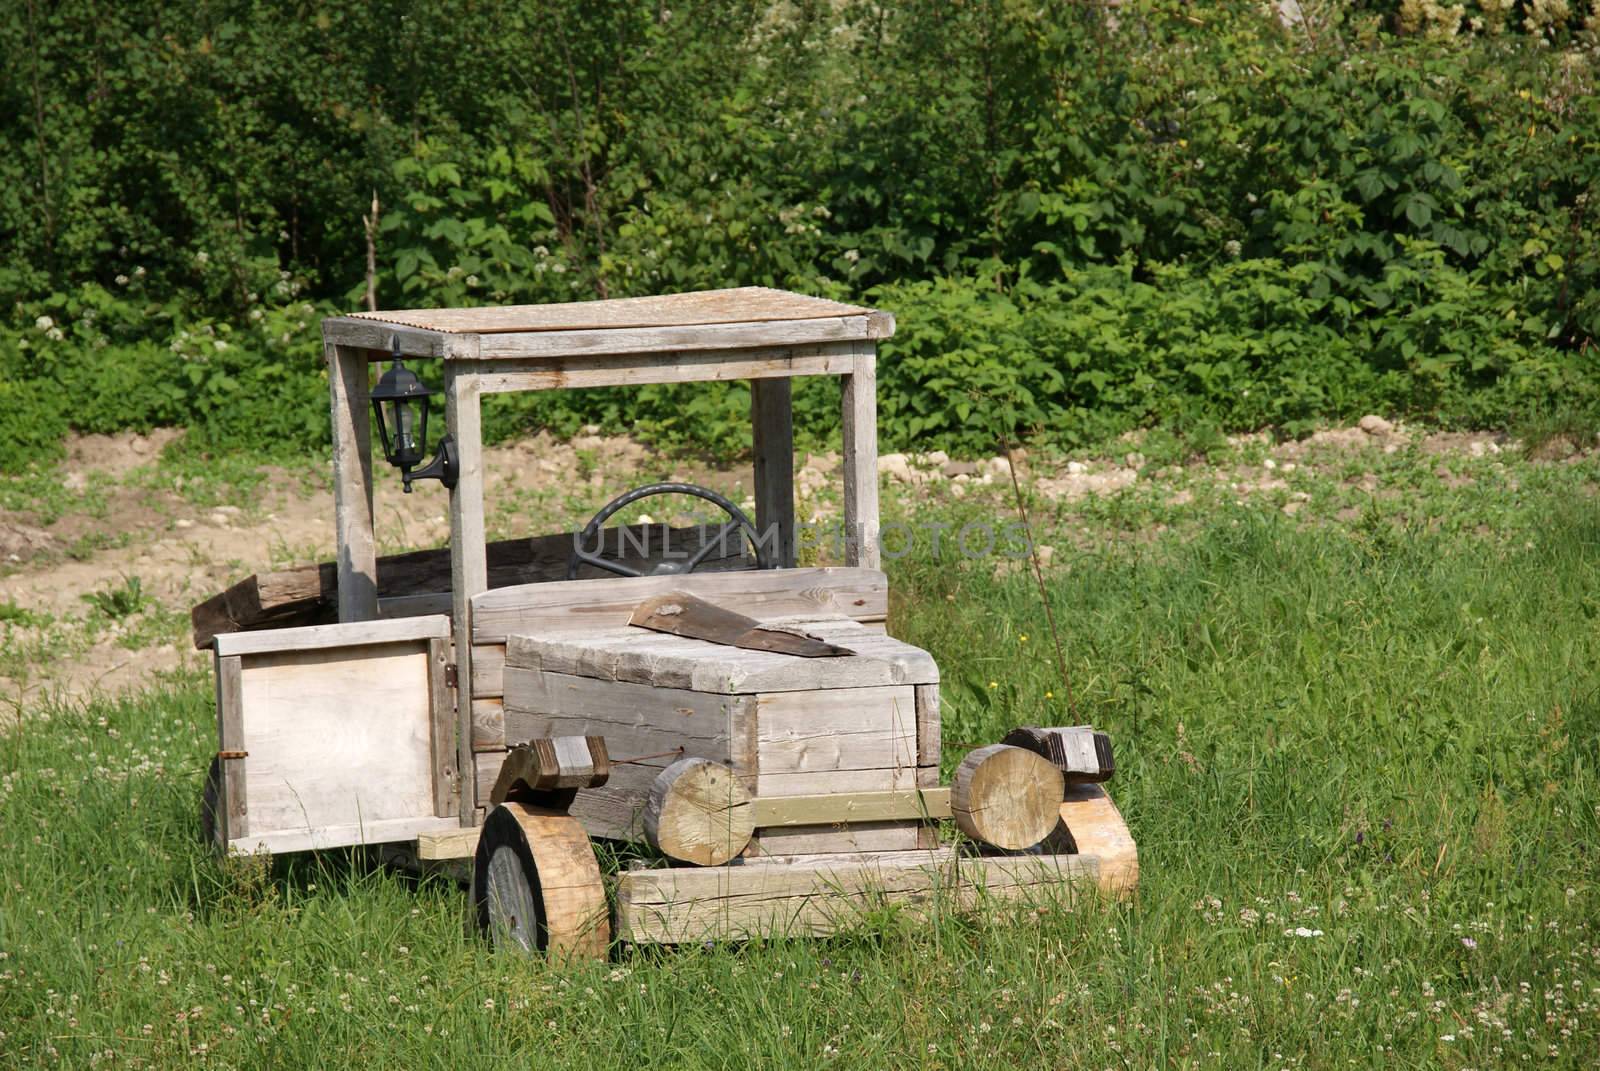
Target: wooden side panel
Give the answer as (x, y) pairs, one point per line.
(833, 741)
(636, 720)
(339, 739)
(565, 607)
(488, 725)
(858, 732)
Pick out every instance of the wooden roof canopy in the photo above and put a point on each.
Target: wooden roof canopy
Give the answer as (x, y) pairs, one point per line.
(741, 318)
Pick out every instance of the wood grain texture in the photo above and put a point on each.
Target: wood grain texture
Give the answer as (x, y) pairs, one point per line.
(586, 371)
(748, 304)
(571, 606)
(488, 670)
(233, 814)
(836, 729)
(860, 433)
(885, 836)
(1096, 829)
(469, 570)
(642, 657)
(552, 854)
(928, 728)
(442, 730)
(352, 483)
(326, 838)
(338, 739)
(772, 444)
(698, 812)
(836, 809)
(788, 896)
(323, 637)
(673, 354)
(1006, 797)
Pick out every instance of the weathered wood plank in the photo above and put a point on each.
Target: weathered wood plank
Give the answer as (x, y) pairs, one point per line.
(337, 737)
(488, 725)
(586, 605)
(488, 670)
(512, 373)
(860, 433)
(322, 637)
(928, 728)
(772, 420)
(929, 804)
(819, 895)
(886, 836)
(469, 570)
(668, 661)
(231, 741)
(442, 729)
(734, 305)
(321, 838)
(352, 483)
(418, 582)
(836, 729)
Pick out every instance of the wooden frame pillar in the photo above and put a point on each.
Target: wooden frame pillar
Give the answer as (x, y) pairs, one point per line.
(469, 569)
(772, 421)
(860, 424)
(349, 388)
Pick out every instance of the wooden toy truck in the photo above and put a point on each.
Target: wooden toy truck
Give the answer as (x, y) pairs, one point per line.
(499, 703)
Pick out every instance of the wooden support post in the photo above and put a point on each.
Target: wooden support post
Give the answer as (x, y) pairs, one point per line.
(469, 570)
(352, 483)
(234, 820)
(772, 418)
(860, 422)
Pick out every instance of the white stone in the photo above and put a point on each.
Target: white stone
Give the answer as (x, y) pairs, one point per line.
(897, 466)
(1375, 425)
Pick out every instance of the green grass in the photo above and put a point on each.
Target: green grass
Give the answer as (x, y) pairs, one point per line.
(1361, 763)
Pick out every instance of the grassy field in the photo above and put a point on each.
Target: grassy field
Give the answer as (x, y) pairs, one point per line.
(1358, 742)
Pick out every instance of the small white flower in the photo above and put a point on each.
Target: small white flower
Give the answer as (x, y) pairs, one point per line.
(1301, 931)
(44, 323)
(201, 257)
(122, 280)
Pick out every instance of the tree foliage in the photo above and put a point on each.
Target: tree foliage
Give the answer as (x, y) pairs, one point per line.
(1085, 219)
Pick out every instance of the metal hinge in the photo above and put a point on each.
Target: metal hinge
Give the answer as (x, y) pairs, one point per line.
(451, 680)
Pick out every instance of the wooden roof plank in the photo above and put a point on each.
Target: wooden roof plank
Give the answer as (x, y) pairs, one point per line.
(741, 305)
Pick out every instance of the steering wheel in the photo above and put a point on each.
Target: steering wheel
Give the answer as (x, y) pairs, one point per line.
(740, 522)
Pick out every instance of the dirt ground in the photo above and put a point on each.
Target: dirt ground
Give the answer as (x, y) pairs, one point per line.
(183, 547)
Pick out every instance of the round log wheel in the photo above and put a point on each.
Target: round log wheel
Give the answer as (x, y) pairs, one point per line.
(536, 885)
(1006, 797)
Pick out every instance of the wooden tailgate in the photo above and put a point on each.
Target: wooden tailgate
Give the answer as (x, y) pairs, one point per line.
(334, 735)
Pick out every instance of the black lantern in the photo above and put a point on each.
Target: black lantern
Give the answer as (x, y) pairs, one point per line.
(400, 403)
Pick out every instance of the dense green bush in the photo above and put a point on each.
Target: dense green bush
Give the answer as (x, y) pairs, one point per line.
(1085, 221)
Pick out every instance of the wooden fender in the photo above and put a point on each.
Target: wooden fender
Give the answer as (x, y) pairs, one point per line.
(536, 885)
